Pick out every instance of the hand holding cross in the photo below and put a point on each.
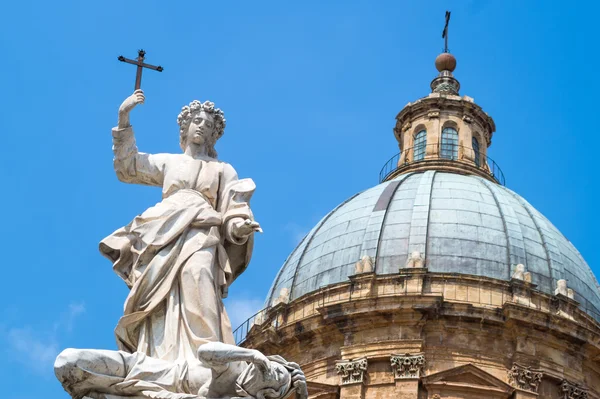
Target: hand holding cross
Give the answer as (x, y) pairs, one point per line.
(130, 102)
(138, 95)
(140, 65)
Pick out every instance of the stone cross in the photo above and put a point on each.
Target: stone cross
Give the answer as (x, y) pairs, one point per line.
(140, 65)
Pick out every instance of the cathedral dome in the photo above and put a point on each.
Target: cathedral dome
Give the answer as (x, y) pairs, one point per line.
(460, 224)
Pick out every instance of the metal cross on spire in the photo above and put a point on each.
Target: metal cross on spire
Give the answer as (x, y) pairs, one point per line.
(140, 65)
(445, 32)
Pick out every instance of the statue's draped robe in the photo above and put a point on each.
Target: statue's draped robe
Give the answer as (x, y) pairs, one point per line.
(179, 256)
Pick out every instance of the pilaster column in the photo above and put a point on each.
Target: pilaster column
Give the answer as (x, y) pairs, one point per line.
(572, 390)
(408, 369)
(433, 134)
(525, 379)
(352, 373)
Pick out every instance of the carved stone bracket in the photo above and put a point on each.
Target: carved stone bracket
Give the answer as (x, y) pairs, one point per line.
(352, 371)
(524, 377)
(573, 391)
(434, 113)
(406, 126)
(467, 119)
(408, 366)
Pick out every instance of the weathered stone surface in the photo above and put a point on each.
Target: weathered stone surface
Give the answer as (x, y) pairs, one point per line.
(524, 377)
(408, 365)
(352, 371)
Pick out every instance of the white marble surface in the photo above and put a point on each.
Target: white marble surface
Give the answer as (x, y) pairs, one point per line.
(178, 258)
(220, 371)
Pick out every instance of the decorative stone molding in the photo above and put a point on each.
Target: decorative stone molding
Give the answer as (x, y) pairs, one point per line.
(415, 259)
(561, 289)
(521, 274)
(352, 371)
(284, 297)
(365, 265)
(406, 126)
(524, 377)
(573, 391)
(408, 366)
(467, 119)
(434, 113)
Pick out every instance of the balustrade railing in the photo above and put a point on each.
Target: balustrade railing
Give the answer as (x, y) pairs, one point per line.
(442, 152)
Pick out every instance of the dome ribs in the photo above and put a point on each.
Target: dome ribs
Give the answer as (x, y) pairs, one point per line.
(552, 262)
(509, 244)
(370, 242)
(321, 223)
(418, 239)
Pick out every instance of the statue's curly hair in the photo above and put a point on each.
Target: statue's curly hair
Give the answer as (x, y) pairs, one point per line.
(185, 117)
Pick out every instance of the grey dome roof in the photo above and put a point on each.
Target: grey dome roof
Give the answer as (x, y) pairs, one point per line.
(461, 223)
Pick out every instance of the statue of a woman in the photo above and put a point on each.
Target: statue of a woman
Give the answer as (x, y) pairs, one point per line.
(179, 256)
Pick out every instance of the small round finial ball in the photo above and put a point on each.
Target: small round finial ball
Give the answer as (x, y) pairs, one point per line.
(445, 62)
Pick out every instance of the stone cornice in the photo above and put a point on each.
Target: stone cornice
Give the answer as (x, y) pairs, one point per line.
(336, 304)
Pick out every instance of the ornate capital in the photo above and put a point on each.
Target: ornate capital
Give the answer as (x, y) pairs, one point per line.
(406, 126)
(407, 365)
(526, 378)
(467, 119)
(573, 391)
(352, 371)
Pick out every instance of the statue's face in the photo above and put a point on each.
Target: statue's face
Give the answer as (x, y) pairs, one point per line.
(257, 383)
(201, 128)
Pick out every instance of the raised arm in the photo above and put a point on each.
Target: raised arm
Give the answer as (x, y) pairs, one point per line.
(130, 165)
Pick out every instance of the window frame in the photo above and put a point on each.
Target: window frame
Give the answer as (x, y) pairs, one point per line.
(420, 145)
(449, 144)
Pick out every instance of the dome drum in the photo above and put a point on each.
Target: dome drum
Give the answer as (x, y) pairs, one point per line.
(440, 320)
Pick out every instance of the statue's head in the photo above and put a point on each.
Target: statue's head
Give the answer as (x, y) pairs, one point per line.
(202, 124)
(259, 384)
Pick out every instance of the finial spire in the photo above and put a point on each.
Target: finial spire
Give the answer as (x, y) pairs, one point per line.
(445, 32)
(445, 63)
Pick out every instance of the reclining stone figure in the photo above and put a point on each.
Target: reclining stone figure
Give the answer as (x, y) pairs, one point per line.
(221, 371)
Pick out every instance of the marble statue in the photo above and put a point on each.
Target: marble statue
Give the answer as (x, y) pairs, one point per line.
(178, 258)
(220, 371)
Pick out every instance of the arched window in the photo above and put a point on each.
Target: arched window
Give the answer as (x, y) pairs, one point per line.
(475, 145)
(420, 144)
(449, 143)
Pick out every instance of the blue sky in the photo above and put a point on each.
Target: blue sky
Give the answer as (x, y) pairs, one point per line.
(310, 91)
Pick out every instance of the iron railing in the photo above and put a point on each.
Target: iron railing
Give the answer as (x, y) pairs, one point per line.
(240, 333)
(442, 152)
